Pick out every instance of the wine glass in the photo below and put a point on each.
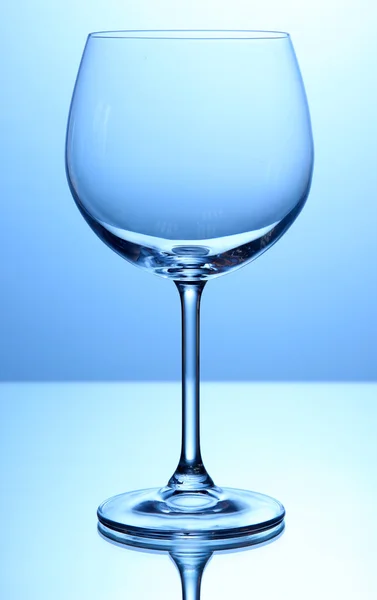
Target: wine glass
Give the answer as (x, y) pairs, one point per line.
(189, 153)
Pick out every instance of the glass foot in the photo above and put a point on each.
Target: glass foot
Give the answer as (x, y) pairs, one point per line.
(214, 517)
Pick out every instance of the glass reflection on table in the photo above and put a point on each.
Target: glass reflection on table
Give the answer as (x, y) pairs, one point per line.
(191, 558)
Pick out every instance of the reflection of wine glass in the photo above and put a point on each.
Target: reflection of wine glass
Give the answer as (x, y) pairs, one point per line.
(189, 153)
(191, 558)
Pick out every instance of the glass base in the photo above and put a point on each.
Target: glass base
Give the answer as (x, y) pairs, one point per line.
(219, 518)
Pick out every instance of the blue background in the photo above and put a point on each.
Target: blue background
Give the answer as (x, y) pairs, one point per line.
(72, 309)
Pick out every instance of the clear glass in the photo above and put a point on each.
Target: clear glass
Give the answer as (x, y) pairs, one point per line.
(189, 153)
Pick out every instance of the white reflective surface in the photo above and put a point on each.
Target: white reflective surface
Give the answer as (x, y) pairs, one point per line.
(66, 447)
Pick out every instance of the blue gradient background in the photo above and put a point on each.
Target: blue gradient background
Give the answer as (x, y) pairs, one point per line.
(72, 309)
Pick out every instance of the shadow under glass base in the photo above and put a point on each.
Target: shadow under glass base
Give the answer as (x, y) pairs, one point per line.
(218, 517)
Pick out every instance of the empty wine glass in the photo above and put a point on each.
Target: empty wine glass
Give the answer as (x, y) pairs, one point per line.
(189, 153)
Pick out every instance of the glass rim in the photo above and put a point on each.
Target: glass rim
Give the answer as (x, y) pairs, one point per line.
(191, 34)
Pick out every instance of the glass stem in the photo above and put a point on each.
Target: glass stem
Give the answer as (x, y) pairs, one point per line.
(191, 567)
(191, 473)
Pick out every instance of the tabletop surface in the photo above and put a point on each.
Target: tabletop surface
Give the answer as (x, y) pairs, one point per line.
(66, 447)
